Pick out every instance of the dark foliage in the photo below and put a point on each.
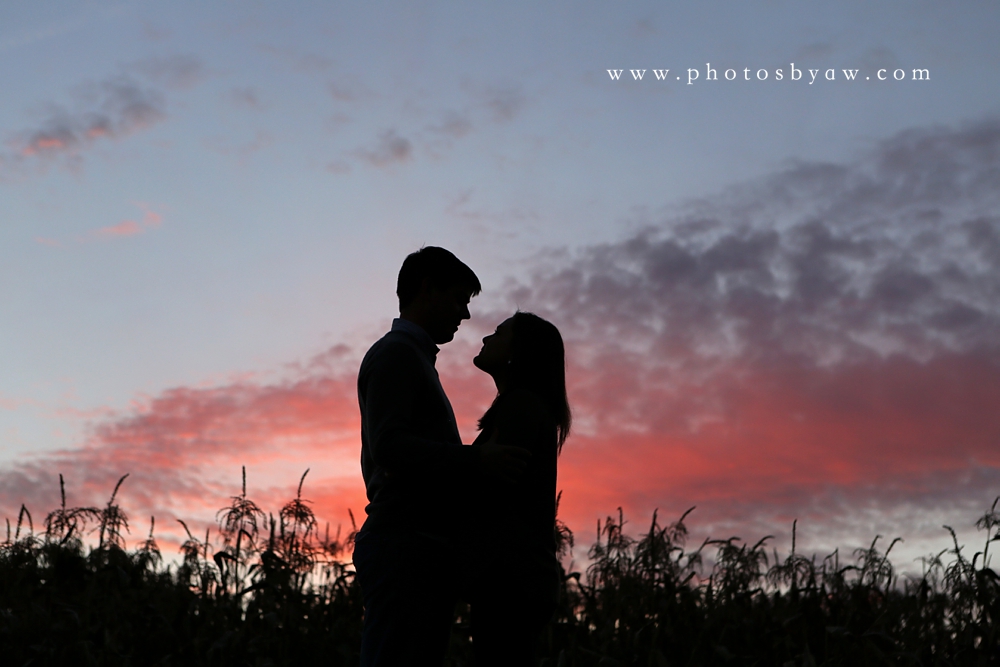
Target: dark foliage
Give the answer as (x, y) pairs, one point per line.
(282, 599)
(276, 592)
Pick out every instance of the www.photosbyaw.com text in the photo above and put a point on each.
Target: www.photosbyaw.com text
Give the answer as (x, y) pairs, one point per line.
(792, 73)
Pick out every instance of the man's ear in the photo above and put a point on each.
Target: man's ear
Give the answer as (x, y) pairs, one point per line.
(429, 291)
(420, 299)
(425, 289)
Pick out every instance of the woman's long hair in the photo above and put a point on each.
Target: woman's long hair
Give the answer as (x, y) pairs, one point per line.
(538, 364)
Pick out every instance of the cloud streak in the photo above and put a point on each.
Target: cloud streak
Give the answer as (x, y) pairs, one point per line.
(150, 220)
(432, 138)
(114, 108)
(118, 108)
(176, 72)
(391, 148)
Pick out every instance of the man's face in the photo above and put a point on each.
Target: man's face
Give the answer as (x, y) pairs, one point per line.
(446, 310)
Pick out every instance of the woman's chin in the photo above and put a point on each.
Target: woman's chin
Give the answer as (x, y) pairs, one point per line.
(482, 364)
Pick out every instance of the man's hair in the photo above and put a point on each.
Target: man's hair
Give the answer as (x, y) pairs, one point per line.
(440, 267)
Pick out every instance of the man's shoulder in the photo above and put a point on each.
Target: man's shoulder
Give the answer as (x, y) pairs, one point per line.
(393, 342)
(392, 348)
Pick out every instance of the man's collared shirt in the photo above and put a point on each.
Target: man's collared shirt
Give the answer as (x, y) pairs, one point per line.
(415, 467)
(418, 332)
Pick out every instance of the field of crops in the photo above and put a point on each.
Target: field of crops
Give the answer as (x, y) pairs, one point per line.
(274, 590)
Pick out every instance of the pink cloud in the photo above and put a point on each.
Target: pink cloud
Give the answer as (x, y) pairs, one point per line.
(113, 108)
(42, 143)
(184, 449)
(118, 107)
(150, 220)
(124, 228)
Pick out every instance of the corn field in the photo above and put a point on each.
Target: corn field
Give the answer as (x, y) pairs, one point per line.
(275, 590)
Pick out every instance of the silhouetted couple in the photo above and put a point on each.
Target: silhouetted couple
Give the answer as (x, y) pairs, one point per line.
(447, 521)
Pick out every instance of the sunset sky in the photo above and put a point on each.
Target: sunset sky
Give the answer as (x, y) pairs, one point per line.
(781, 298)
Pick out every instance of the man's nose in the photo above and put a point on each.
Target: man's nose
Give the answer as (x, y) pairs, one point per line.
(465, 313)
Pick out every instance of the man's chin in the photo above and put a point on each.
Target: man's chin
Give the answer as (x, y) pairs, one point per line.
(444, 337)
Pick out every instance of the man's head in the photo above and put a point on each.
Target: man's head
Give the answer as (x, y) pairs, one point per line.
(434, 288)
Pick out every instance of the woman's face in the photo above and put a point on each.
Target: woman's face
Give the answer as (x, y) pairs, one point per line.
(496, 352)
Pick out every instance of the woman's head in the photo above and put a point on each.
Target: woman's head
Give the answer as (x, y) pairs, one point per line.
(526, 352)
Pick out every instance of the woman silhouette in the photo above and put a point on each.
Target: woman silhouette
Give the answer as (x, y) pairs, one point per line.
(516, 574)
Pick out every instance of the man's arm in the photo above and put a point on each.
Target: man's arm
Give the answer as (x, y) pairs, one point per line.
(504, 462)
(390, 387)
(390, 390)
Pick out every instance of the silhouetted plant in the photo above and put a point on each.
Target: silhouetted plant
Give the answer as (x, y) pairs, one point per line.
(65, 524)
(563, 535)
(148, 554)
(17, 544)
(739, 569)
(874, 568)
(795, 571)
(297, 525)
(195, 570)
(238, 525)
(112, 520)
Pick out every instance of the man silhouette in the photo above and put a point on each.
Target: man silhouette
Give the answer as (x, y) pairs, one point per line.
(416, 470)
